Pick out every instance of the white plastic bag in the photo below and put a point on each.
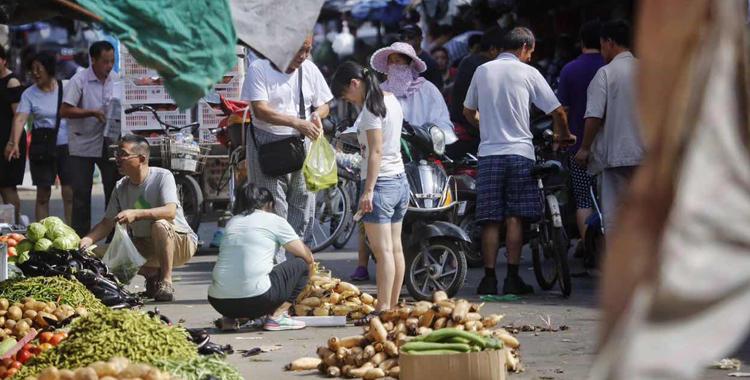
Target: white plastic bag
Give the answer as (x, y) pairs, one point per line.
(122, 258)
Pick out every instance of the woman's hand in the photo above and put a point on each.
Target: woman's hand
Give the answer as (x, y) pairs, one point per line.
(365, 203)
(11, 152)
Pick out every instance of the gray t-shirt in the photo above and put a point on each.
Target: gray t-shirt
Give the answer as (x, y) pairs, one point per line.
(43, 107)
(159, 189)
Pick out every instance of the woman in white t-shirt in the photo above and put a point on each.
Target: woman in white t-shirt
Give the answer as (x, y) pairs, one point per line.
(385, 192)
(40, 101)
(245, 283)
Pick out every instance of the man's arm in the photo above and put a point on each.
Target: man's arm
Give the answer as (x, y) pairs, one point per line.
(264, 112)
(591, 127)
(72, 112)
(560, 126)
(472, 116)
(166, 212)
(323, 111)
(99, 232)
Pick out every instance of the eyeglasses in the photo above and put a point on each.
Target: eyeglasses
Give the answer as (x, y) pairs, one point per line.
(125, 155)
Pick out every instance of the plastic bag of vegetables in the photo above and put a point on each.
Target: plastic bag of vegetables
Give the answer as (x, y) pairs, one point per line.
(122, 258)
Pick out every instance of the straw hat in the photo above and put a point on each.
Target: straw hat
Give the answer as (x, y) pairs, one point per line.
(379, 60)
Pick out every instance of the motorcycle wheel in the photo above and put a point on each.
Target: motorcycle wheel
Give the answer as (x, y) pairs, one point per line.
(474, 252)
(191, 200)
(332, 210)
(441, 265)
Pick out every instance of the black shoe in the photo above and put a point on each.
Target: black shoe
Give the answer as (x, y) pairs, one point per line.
(488, 285)
(515, 285)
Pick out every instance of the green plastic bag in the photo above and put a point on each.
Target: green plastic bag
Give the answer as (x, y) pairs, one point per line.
(320, 166)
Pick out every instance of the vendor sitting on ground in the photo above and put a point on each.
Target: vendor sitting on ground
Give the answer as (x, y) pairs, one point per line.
(146, 200)
(246, 285)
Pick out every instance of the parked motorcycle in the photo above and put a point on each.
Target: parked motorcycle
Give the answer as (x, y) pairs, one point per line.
(434, 246)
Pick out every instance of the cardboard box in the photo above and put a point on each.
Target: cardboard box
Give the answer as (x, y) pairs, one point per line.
(485, 365)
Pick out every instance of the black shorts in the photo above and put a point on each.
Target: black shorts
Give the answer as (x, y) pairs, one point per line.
(44, 173)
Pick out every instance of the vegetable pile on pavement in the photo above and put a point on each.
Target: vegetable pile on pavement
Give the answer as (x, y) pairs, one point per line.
(199, 368)
(51, 232)
(50, 289)
(324, 296)
(116, 368)
(457, 324)
(109, 334)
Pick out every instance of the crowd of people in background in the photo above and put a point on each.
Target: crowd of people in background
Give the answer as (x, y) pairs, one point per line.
(477, 84)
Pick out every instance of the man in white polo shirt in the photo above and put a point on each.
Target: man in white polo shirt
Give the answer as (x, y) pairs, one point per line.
(612, 144)
(502, 92)
(86, 98)
(274, 96)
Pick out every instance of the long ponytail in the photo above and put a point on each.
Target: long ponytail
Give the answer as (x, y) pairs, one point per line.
(373, 94)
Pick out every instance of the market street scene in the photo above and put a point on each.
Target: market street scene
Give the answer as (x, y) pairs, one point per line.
(374, 189)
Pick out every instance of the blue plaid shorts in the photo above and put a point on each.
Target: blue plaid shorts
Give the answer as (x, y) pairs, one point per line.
(506, 188)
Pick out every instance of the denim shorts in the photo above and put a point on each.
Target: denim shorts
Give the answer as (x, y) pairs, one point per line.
(389, 201)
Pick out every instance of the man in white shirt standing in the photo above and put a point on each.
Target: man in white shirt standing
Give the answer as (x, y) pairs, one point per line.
(502, 91)
(86, 98)
(274, 96)
(612, 142)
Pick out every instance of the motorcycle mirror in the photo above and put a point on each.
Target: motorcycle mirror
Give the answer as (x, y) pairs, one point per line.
(548, 135)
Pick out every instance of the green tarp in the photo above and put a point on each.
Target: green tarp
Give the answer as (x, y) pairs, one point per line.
(190, 43)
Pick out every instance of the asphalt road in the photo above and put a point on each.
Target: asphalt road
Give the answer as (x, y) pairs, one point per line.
(545, 355)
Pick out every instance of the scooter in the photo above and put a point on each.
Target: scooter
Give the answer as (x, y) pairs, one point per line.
(434, 246)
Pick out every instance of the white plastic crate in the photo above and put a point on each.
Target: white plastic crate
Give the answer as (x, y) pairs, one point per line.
(145, 120)
(208, 116)
(130, 68)
(146, 94)
(230, 87)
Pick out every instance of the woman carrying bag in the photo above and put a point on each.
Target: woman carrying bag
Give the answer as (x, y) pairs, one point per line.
(48, 152)
(11, 169)
(385, 192)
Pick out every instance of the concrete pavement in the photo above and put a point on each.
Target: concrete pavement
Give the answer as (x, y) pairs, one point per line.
(546, 355)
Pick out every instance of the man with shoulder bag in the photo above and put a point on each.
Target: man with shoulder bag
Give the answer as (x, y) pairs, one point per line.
(287, 107)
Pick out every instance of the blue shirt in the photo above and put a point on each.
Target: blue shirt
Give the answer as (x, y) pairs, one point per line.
(574, 81)
(42, 106)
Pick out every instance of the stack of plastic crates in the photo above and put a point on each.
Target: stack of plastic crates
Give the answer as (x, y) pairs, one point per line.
(184, 156)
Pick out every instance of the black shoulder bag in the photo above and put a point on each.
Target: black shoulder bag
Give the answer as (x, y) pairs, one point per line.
(43, 145)
(284, 156)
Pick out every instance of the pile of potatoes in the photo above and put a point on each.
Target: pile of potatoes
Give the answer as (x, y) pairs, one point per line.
(325, 296)
(374, 354)
(17, 319)
(116, 368)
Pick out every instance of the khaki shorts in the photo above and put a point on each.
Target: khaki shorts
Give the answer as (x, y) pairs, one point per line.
(184, 246)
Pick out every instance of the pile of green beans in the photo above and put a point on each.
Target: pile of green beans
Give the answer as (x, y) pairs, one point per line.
(122, 333)
(199, 368)
(55, 289)
(450, 341)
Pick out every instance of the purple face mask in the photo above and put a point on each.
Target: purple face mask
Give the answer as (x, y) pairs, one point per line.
(402, 80)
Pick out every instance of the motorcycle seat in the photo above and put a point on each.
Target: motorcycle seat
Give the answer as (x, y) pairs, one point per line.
(546, 169)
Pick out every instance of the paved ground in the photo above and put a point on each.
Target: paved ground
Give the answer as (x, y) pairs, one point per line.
(547, 355)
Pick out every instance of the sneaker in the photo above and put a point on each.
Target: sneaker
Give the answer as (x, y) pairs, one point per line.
(164, 292)
(284, 322)
(152, 284)
(216, 240)
(515, 285)
(360, 274)
(488, 285)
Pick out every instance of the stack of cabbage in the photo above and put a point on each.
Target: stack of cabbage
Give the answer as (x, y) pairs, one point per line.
(49, 233)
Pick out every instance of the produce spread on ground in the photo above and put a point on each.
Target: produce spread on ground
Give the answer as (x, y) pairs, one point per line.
(68, 317)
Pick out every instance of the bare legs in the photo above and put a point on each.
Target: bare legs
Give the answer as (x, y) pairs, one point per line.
(10, 197)
(385, 241)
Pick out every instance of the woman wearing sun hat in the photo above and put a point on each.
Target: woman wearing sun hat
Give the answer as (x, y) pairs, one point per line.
(420, 101)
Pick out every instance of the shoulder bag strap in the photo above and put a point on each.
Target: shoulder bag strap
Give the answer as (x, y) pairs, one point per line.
(59, 104)
(301, 113)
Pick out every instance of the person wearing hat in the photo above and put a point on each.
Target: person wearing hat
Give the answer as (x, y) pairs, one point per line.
(421, 103)
(412, 35)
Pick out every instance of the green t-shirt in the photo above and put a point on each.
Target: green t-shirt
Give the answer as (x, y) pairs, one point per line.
(246, 254)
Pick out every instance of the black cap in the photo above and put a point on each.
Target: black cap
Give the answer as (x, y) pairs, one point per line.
(411, 31)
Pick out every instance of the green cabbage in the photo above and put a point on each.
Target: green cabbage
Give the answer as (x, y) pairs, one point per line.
(36, 231)
(51, 221)
(61, 230)
(43, 245)
(24, 246)
(65, 243)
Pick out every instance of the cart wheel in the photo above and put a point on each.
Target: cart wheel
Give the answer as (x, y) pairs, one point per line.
(191, 200)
